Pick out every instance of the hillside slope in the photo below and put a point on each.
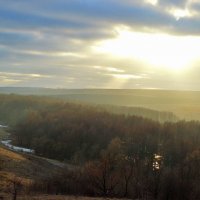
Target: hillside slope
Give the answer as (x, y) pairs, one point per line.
(26, 168)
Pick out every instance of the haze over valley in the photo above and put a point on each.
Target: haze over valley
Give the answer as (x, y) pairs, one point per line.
(100, 99)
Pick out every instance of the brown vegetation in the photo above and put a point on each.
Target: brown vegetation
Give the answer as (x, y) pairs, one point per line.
(112, 155)
(61, 197)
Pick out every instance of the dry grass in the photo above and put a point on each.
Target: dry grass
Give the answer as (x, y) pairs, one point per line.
(26, 168)
(7, 154)
(59, 197)
(55, 197)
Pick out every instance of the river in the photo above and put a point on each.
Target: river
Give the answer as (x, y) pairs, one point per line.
(7, 143)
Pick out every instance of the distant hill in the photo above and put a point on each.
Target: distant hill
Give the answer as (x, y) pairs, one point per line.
(160, 116)
(30, 91)
(184, 104)
(14, 108)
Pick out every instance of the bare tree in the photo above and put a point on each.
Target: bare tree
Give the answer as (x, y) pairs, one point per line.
(14, 186)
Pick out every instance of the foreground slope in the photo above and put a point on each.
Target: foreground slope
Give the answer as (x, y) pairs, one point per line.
(25, 167)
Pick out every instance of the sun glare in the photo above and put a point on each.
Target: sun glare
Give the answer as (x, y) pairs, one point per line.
(180, 13)
(158, 50)
(152, 2)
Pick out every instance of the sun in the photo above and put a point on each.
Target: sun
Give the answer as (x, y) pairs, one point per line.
(158, 50)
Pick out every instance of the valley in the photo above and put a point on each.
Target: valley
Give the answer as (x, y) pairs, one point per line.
(56, 146)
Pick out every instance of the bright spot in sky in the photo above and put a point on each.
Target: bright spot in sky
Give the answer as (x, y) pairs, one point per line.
(174, 53)
(153, 2)
(126, 76)
(180, 13)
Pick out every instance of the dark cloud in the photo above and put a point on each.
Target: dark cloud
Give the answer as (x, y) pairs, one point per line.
(175, 3)
(10, 18)
(14, 38)
(81, 15)
(187, 26)
(195, 6)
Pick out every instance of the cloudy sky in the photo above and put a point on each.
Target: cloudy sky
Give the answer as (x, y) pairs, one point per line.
(100, 43)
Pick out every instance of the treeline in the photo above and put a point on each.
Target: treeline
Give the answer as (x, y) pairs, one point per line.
(114, 155)
(14, 108)
(160, 116)
(115, 174)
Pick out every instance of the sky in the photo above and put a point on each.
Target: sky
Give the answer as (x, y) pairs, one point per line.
(145, 44)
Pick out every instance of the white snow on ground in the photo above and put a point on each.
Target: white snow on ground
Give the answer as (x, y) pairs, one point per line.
(8, 144)
(2, 126)
(15, 148)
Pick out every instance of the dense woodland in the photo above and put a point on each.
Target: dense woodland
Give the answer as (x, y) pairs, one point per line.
(14, 108)
(114, 155)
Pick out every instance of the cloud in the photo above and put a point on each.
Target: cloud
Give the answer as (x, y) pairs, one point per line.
(80, 15)
(175, 3)
(53, 40)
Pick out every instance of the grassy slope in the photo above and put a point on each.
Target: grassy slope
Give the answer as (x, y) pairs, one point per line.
(25, 167)
(22, 165)
(58, 197)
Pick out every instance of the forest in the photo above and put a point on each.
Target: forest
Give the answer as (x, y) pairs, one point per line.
(14, 108)
(112, 154)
